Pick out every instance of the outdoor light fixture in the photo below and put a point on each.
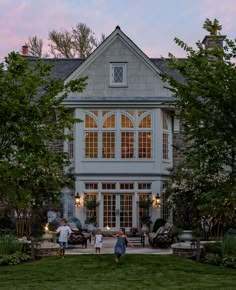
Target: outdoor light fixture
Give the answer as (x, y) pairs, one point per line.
(77, 199)
(157, 200)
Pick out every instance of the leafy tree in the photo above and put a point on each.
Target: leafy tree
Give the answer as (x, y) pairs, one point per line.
(32, 116)
(212, 26)
(206, 105)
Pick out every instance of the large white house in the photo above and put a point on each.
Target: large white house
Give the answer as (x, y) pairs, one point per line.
(122, 151)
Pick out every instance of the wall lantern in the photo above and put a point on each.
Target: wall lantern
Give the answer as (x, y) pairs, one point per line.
(157, 202)
(77, 199)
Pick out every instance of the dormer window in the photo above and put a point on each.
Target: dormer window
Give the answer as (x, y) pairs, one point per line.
(118, 74)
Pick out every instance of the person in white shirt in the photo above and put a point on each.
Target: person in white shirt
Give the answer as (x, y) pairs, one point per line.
(64, 232)
(98, 241)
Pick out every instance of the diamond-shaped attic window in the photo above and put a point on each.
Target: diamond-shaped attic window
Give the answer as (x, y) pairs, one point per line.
(118, 74)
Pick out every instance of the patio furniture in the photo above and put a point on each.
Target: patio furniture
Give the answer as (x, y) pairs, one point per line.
(78, 236)
(162, 238)
(138, 239)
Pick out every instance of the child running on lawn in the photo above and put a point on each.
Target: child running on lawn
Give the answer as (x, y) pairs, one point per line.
(98, 242)
(64, 232)
(120, 246)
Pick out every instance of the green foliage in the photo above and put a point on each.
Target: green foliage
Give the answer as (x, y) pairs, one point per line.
(145, 220)
(91, 220)
(145, 203)
(213, 248)
(9, 245)
(52, 226)
(212, 26)
(205, 104)
(158, 223)
(91, 204)
(213, 259)
(14, 259)
(229, 246)
(134, 272)
(32, 117)
(229, 261)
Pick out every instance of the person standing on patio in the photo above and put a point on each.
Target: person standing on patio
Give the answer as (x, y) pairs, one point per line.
(64, 232)
(98, 242)
(121, 243)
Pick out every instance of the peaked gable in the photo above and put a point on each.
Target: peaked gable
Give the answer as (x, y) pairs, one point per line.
(116, 34)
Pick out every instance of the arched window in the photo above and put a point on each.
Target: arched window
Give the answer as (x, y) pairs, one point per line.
(127, 136)
(145, 136)
(126, 122)
(118, 134)
(109, 122)
(91, 135)
(90, 122)
(146, 122)
(108, 135)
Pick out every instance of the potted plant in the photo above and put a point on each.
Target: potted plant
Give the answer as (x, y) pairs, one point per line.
(91, 204)
(145, 203)
(133, 231)
(145, 221)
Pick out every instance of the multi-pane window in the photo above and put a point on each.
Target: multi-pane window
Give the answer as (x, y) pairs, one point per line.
(126, 186)
(108, 186)
(108, 136)
(118, 135)
(145, 144)
(144, 186)
(127, 145)
(91, 145)
(118, 74)
(91, 186)
(108, 144)
(165, 138)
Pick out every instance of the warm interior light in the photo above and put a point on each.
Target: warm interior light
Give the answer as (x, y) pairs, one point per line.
(158, 200)
(46, 228)
(108, 228)
(77, 199)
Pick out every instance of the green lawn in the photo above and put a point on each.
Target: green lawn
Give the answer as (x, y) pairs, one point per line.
(88, 272)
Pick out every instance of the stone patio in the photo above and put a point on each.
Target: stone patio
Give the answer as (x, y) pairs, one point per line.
(108, 248)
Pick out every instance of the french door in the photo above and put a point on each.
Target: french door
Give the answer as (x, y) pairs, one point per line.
(117, 210)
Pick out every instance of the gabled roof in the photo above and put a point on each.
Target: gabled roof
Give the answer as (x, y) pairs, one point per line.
(162, 64)
(67, 68)
(62, 68)
(117, 33)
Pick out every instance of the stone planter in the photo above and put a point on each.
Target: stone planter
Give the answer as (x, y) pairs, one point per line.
(46, 249)
(91, 228)
(186, 236)
(145, 229)
(185, 249)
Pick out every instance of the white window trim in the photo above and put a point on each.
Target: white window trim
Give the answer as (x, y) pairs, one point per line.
(112, 66)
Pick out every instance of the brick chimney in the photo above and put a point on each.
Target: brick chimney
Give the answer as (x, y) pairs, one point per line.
(25, 50)
(212, 41)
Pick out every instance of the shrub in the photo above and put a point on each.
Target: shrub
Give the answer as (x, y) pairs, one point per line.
(229, 246)
(213, 259)
(13, 259)
(229, 261)
(9, 245)
(213, 248)
(52, 226)
(158, 223)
